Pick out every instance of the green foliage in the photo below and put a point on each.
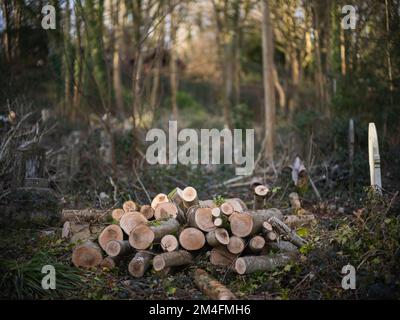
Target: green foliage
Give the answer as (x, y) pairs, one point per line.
(218, 200)
(22, 279)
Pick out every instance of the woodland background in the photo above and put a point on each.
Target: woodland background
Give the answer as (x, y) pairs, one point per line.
(111, 70)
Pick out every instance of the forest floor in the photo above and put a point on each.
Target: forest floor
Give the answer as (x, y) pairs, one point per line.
(362, 230)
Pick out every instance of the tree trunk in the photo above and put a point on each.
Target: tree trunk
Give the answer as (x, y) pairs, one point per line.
(201, 218)
(117, 214)
(260, 193)
(287, 232)
(165, 210)
(260, 216)
(147, 211)
(130, 206)
(256, 244)
(268, 79)
(110, 262)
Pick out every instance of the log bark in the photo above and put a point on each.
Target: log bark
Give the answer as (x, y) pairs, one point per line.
(111, 232)
(211, 287)
(110, 262)
(144, 235)
(85, 215)
(130, 206)
(192, 239)
(236, 245)
(237, 204)
(117, 214)
(87, 255)
(160, 198)
(201, 218)
(283, 246)
(116, 248)
(207, 204)
(139, 264)
(294, 221)
(172, 259)
(131, 220)
(217, 237)
(260, 216)
(283, 229)
(189, 197)
(241, 224)
(294, 201)
(147, 211)
(268, 232)
(260, 193)
(175, 196)
(256, 244)
(66, 230)
(251, 264)
(165, 210)
(220, 256)
(169, 243)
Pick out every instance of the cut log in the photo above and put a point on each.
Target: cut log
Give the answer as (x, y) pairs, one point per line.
(160, 198)
(131, 220)
(144, 235)
(111, 232)
(266, 226)
(169, 243)
(110, 262)
(241, 224)
(217, 237)
(236, 245)
(116, 248)
(175, 196)
(220, 256)
(66, 230)
(189, 197)
(294, 221)
(192, 239)
(256, 244)
(130, 206)
(147, 211)
(117, 214)
(87, 255)
(260, 216)
(172, 259)
(139, 264)
(207, 204)
(250, 264)
(165, 210)
(270, 235)
(294, 201)
(226, 209)
(283, 246)
(201, 218)
(80, 232)
(283, 229)
(260, 193)
(216, 212)
(237, 204)
(218, 222)
(85, 215)
(211, 287)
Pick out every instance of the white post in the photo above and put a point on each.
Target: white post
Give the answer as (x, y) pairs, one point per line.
(374, 158)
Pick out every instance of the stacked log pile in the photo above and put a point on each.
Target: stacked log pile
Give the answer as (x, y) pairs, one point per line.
(174, 229)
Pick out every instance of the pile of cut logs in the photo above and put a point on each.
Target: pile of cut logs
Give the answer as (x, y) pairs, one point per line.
(174, 228)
